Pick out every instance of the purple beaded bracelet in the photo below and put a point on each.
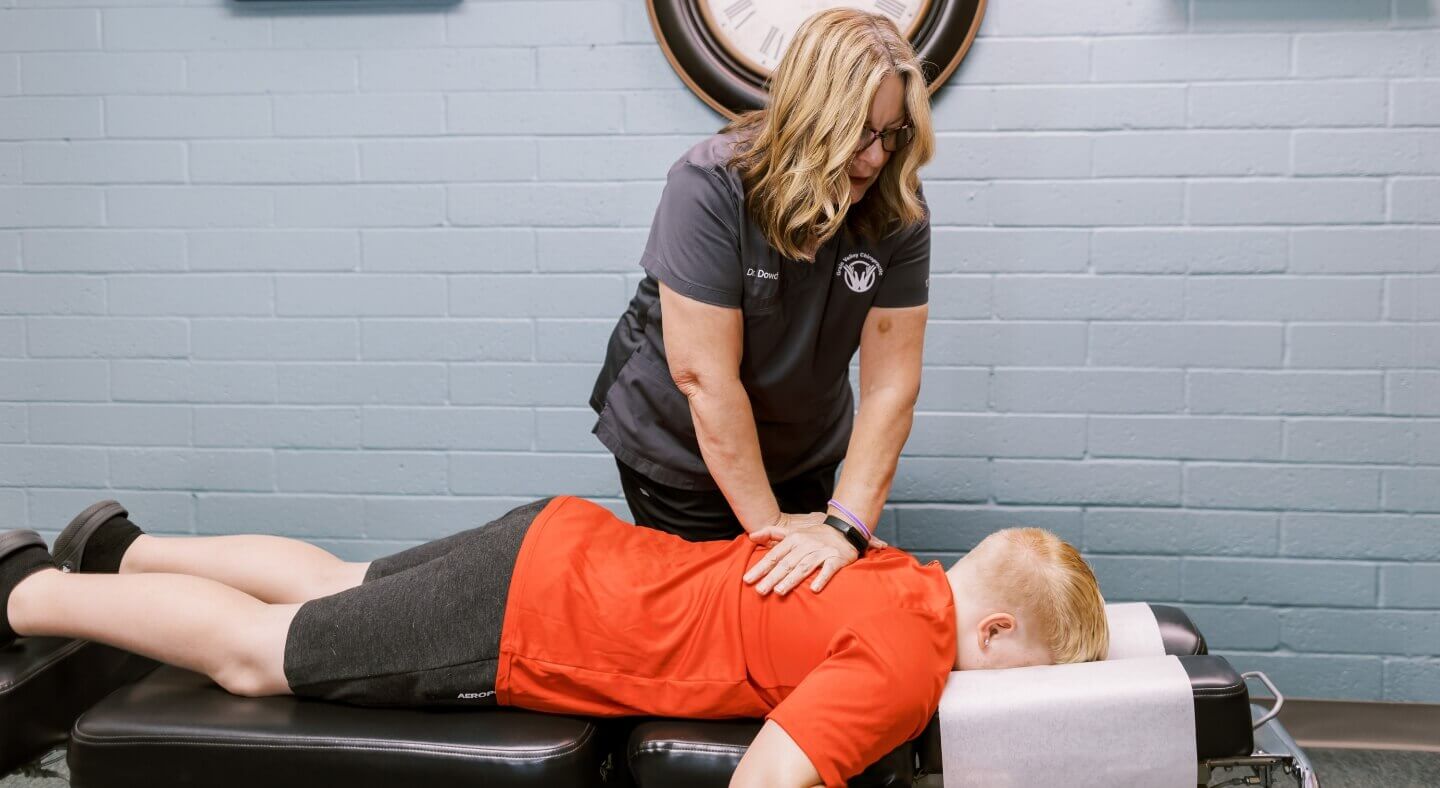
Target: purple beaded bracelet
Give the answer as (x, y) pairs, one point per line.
(856, 520)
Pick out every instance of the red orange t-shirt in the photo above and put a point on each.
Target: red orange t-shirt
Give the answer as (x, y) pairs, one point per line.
(607, 619)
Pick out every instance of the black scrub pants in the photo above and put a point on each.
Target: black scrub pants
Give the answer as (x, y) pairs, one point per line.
(704, 515)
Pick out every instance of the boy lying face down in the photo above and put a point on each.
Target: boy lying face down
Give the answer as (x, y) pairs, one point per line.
(558, 606)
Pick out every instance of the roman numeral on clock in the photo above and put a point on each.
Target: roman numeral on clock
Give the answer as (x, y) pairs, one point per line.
(740, 7)
(894, 8)
(773, 38)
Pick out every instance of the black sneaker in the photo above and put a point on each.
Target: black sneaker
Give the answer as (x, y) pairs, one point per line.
(70, 545)
(22, 553)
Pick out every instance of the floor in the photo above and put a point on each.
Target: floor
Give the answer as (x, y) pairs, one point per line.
(1336, 769)
(1366, 768)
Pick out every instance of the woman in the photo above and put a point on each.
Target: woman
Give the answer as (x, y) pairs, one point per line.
(793, 237)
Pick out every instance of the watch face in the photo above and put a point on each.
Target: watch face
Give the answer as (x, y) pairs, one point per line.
(756, 32)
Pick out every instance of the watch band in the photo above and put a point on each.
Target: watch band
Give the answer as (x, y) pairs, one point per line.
(865, 529)
(852, 534)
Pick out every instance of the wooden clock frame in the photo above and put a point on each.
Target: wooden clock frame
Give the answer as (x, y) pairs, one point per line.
(730, 87)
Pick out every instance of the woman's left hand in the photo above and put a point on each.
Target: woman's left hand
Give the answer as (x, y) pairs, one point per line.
(798, 547)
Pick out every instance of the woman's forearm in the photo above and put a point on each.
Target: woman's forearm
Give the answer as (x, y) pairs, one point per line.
(730, 446)
(881, 428)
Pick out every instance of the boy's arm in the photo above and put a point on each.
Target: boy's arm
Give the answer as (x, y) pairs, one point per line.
(774, 759)
(876, 688)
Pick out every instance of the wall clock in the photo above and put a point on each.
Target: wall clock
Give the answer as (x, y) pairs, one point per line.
(724, 50)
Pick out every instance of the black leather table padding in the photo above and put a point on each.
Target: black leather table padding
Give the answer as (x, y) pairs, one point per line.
(1222, 714)
(44, 685)
(1222, 708)
(177, 728)
(1179, 634)
(699, 754)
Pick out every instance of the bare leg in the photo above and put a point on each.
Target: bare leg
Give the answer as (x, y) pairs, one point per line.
(190, 622)
(270, 568)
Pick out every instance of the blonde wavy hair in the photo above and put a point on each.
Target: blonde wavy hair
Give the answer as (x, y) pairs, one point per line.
(793, 154)
(1042, 576)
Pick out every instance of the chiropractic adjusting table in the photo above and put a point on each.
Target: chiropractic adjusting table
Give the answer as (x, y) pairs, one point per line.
(1159, 712)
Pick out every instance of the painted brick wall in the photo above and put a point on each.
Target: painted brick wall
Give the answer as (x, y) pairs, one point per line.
(345, 272)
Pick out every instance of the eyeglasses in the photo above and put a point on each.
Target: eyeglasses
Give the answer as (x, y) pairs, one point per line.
(891, 140)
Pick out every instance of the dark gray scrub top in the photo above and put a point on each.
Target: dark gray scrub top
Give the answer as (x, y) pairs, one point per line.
(802, 327)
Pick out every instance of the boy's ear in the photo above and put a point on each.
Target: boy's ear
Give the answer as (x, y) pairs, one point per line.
(995, 624)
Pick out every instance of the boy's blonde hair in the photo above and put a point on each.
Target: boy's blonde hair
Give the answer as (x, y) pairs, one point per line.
(793, 155)
(1044, 579)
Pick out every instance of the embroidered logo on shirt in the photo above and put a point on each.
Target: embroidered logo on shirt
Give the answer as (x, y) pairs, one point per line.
(762, 274)
(860, 271)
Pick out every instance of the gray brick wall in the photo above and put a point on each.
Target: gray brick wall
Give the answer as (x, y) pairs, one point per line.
(345, 272)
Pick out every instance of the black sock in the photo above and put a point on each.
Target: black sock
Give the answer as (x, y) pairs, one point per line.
(106, 547)
(16, 567)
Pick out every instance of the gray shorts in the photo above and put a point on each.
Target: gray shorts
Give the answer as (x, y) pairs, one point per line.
(423, 629)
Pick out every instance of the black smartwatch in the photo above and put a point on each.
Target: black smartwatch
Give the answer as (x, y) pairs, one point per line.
(852, 534)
